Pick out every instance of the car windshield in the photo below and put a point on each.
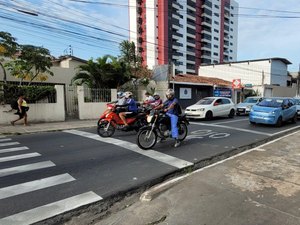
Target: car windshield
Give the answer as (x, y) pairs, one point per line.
(297, 101)
(250, 100)
(269, 102)
(205, 101)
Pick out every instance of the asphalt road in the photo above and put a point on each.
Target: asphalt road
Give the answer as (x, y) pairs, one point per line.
(45, 174)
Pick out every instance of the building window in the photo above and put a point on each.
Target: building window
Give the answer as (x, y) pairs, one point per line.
(216, 46)
(215, 30)
(216, 6)
(215, 38)
(216, 54)
(216, 14)
(216, 22)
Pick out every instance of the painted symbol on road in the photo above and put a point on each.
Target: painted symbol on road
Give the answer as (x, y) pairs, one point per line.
(207, 133)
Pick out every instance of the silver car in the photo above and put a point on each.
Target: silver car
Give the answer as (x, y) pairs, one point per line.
(245, 106)
(297, 103)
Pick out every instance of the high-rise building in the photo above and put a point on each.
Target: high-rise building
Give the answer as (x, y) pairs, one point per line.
(188, 33)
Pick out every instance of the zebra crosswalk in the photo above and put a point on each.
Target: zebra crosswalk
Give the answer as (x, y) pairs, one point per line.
(12, 152)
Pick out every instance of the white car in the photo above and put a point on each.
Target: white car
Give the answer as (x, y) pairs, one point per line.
(245, 106)
(210, 107)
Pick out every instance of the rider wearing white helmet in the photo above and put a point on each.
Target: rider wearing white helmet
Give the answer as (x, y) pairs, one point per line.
(132, 107)
(157, 100)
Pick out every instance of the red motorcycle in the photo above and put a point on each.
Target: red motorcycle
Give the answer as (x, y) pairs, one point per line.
(110, 121)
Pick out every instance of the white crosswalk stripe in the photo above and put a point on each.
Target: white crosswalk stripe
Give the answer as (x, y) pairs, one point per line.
(44, 211)
(16, 157)
(167, 159)
(5, 139)
(9, 143)
(50, 210)
(25, 168)
(13, 149)
(34, 185)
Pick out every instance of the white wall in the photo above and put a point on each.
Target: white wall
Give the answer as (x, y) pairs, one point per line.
(250, 72)
(91, 110)
(39, 112)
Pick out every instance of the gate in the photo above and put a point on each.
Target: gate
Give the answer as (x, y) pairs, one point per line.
(71, 102)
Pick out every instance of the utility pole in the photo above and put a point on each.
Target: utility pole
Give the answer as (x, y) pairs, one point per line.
(262, 83)
(298, 83)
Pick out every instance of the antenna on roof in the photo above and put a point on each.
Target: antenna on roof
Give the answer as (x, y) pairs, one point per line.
(68, 51)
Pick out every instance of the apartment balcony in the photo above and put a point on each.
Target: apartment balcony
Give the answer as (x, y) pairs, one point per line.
(191, 35)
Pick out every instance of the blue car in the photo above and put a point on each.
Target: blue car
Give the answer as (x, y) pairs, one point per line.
(274, 111)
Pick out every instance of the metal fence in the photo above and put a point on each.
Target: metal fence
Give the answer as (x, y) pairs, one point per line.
(97, 95)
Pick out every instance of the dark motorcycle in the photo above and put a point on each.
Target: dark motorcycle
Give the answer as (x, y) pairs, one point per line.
(159, 126)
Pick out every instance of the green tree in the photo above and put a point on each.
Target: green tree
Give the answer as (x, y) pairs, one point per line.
(8, 48)
(129, 55)
(32, 64)
(133, 61)
(105, 72)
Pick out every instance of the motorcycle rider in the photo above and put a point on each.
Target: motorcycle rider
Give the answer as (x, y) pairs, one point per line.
(157, 101)
(170, 106)
(121, 102)
(132, 108)
(149, 99)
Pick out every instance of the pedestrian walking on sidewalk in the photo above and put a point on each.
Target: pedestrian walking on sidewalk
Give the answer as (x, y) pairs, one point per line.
(22, 110)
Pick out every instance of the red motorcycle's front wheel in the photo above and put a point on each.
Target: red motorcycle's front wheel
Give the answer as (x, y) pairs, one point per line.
(105, 129)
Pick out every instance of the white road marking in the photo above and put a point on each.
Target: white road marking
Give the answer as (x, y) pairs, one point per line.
(9, 143)
(286, 130)
(231, 121)
(232, 128)
(34, 185)
(22, 156)
(25, 168)
(5, 139)
(46, 211)
(13, 149)
(167, 159)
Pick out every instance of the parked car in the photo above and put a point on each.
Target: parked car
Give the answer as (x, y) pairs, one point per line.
(210, 107)
(297, 102)
(245, 106)
(273, 111)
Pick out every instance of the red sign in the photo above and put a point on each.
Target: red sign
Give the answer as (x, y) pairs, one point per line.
(236, 84)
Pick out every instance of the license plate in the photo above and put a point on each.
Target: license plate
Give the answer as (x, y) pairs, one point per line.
(240, 110)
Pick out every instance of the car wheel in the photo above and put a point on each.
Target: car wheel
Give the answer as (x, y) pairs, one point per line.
(209, 115)
(231, 114)
(237, 113)
(295, 118)
(279, 122)
(252, 123)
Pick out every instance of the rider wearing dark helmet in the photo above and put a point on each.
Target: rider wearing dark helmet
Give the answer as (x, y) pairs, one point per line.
(170, 106)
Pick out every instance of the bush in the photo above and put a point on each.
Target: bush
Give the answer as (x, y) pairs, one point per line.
(32, 94)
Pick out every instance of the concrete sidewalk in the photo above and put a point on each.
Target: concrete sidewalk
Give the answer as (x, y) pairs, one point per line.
(47, 126)
(260, 186)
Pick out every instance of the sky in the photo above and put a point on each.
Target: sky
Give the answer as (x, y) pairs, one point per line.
(94, 28)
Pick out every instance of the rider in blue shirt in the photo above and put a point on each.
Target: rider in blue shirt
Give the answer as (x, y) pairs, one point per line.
(132, 108)
(171, 109)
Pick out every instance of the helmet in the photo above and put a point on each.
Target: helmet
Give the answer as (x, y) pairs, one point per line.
(128, 94)
(120, 94)
(156, 94)
(170, 92)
